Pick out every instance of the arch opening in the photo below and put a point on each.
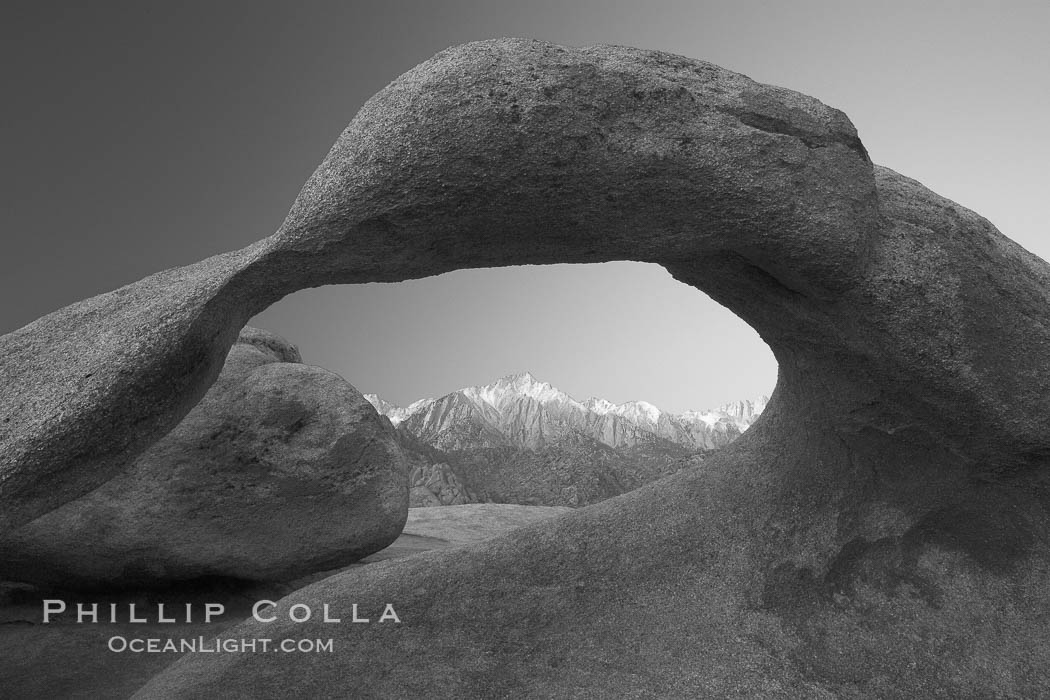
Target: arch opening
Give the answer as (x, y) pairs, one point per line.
(620, 331)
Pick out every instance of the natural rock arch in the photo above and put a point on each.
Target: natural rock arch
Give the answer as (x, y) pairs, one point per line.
(894, 484)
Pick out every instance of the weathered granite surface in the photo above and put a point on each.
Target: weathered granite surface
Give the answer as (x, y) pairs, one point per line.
(283, 469)
(861, 539)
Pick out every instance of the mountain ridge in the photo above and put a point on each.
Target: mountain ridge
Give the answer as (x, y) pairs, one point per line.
(519, 410)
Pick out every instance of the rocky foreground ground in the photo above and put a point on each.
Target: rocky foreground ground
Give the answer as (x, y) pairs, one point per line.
(63, 659)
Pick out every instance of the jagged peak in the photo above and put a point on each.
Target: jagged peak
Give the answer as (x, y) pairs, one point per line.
(637, 410)
(600, 406)
(745, 408)
(632, 410)
(380, 404)
(395, 413)
(522, 384)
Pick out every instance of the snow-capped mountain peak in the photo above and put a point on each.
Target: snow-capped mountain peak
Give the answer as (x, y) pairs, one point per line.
(639, 411)
(744, 411)
(636, 411)
(395, 413)
(600, 406)
(707, 417)
(381, 405)
(515, 386)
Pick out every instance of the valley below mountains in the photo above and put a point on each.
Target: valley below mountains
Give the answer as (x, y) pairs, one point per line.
(521, 440)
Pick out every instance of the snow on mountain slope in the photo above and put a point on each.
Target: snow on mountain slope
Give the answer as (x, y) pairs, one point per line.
(396, 414)
(520, 411)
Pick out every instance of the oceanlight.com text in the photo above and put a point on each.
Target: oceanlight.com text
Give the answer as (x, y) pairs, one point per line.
(211, 645)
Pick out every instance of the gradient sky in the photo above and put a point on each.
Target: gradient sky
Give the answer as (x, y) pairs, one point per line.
(140, 136)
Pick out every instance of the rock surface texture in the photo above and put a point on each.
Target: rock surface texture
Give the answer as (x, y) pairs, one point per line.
(283, 469)
(862, 539)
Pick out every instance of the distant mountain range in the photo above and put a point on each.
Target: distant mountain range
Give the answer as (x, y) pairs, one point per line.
(520, 411)
(520, 440)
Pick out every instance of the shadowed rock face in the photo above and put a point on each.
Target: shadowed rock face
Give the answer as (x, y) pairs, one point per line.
(283, 469)
(436, 485)
(861, 538)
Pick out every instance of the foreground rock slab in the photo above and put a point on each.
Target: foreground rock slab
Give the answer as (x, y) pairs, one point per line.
(654, 594)
(475, 522)
(440, 527)
(880, 531)
(29, 649)
(283, 469)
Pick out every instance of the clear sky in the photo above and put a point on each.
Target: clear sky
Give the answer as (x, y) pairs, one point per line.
(140, 136)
